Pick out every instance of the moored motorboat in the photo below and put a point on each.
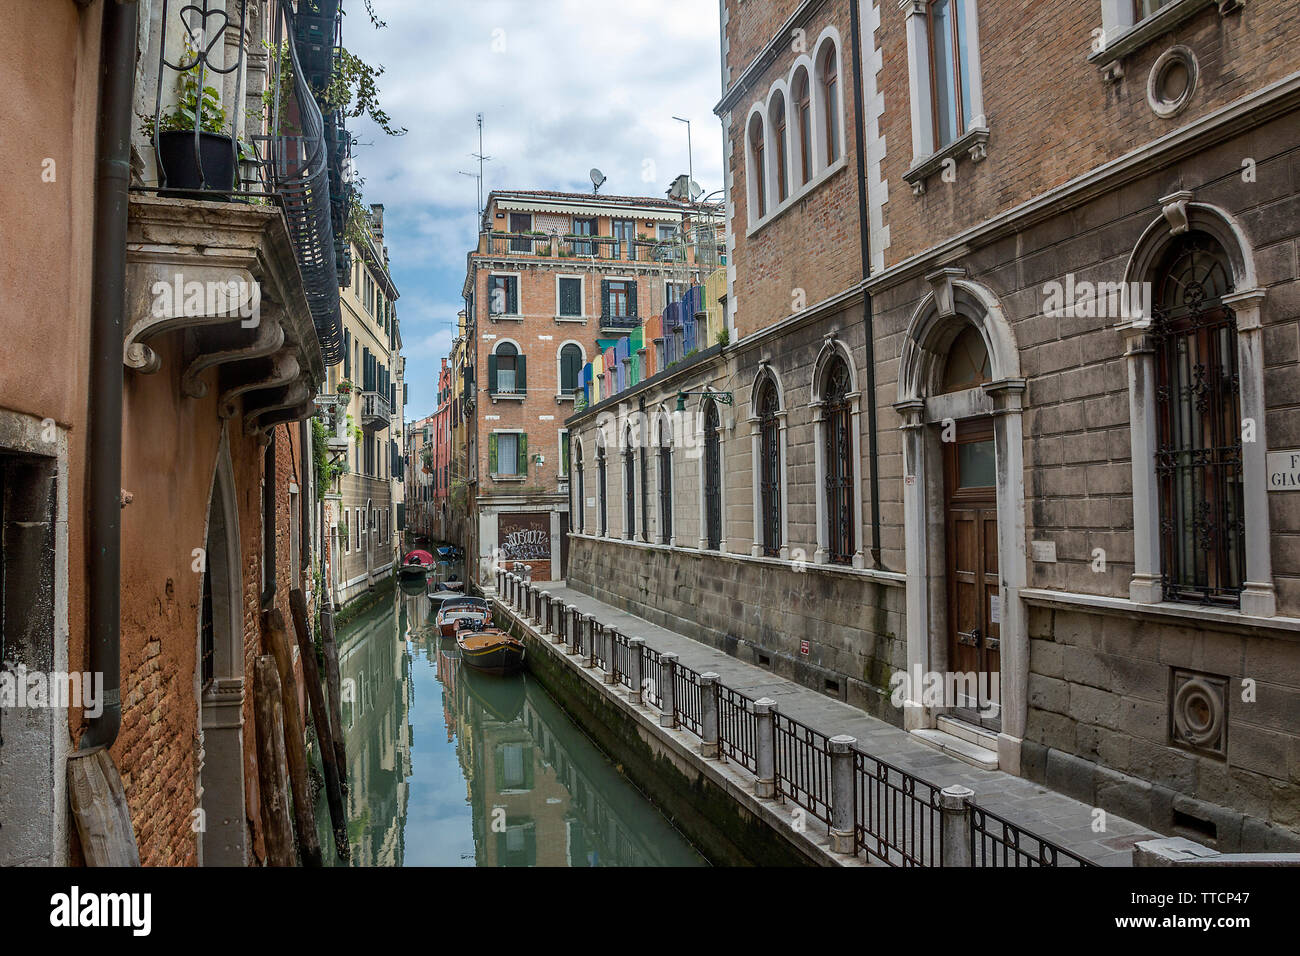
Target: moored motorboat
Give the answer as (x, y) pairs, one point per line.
(491, 650)
(474, 611)
(415, 567)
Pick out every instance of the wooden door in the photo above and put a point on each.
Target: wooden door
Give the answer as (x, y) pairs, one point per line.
(521, 222)
(974, 596)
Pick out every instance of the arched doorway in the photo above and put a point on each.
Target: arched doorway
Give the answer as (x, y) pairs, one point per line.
(219, 681)
(963, 499)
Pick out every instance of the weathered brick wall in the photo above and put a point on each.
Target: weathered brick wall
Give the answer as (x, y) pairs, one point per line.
(1052, 115)
(771, 283)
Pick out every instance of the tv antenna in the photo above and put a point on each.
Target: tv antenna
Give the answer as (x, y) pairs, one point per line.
(597, 180)
(481, 160)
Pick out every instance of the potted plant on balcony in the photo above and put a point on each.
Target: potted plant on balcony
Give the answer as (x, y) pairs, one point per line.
(183, 167)
(345, 387)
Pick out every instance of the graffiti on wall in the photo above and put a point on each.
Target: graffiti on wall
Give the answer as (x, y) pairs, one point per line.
(524, 537)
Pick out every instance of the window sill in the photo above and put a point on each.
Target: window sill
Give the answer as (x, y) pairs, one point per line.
(1110, 59)
(577, 319)
(506, 318)
(799, 193)
(1166, 612)
(507, 396)
(496, 477)
(563, 398)
(973, 142)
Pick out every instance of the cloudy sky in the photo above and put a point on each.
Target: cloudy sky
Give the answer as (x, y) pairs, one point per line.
(563, 86)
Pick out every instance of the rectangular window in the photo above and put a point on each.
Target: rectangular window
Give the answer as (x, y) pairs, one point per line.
(520, 222)
(1145, 8)
(673, 291)
(507, 454)
(584, 227)
(949, 70)
(619, 299)
(564, 454)
(503, 295)
(570, 293)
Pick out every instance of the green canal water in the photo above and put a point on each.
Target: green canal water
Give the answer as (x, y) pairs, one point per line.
(449, 767)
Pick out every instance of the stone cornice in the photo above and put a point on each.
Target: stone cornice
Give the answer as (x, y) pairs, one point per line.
(766, 57)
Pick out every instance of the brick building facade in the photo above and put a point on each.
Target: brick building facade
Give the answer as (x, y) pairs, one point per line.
(950, 450)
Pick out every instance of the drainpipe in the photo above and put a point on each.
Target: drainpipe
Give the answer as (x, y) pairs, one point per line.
(108, 310)
(864, 226)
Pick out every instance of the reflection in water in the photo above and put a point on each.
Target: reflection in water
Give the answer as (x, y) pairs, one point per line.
(450, 767)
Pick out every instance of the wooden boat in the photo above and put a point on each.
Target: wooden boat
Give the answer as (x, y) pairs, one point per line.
(491, 651)
(415, 567)
(454, 610)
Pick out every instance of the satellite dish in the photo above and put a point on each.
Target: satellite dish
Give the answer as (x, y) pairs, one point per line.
(696, 191)
(597, 179)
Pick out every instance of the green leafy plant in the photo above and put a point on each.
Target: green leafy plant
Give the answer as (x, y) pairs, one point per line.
(326, 471)
(193, 103)
(724, 336)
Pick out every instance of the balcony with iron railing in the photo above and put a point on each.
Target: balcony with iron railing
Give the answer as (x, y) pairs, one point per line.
(375, 411)
(697, 249)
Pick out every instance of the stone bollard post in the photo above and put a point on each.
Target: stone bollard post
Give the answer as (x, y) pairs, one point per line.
(570, 623)
(956, 825)
(557, 621)
(588, 640)
(528, 572)
(668, 689)
(709, 714)
(501, 576)
(544, 612)
(634, 648)
(841, 751)
(765, 747)
(515, 581)
(607, 645)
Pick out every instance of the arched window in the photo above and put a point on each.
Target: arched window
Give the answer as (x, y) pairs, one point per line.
(803, 125)
(712, 476)
(837, 418)
(571, 362)
(1198, 404)
(506, 370)
(629, 485)
(967, 364)
(769, 460)
(829, 77)
(777, 117)
(580, 508)
(756, 165)
(600, 481)
(665, 482)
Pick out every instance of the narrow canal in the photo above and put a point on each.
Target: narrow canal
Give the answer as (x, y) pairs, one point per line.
(450, 767)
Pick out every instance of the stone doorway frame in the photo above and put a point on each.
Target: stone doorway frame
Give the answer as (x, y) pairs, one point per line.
(952, 304)
(223, 840)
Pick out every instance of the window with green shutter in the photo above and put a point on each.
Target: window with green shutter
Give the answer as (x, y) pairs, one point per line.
(521, 445)
(570, 297)
(492, 454)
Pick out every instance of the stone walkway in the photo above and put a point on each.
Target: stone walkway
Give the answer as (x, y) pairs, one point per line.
(1056, 817)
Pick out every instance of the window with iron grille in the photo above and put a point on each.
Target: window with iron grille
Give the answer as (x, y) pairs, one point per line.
(629, 489)
(712, 476)
(600, 480)
(581, 503)
(1198, 402)
(838, 450)
(769, 452)
(665, 483)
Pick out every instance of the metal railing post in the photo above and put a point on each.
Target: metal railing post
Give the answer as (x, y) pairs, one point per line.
(709, 714)
(634, 647)
(955, 825)
(668, 692)
(841, 753)
(765, 747)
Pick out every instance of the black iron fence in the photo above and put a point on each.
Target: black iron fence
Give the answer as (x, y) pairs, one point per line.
(996, 841)
(737, 727)
(897, 818)
(803, 766)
